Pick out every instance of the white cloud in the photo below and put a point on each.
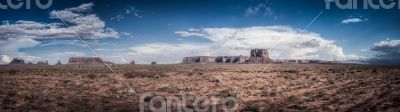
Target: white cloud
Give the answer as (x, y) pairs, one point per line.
(128, 11)
(283, 42)
(6, 59)
(134, 11)
(188, 34)
(68, 54)
(387, 52)
(80, 19)
(262, 9)
(119, 17)
(167, 53)
(20, 34)
(12, 45)
(388, 43)
(11, 48)
(352, 20)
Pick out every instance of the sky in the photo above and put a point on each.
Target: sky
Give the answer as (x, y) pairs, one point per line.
(168, 30)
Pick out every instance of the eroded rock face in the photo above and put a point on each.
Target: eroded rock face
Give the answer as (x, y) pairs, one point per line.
(17, 61)
(86, 60)
(198, 59)
(259, 53)
(132, 62)
(42, 63)
(258, 56)
(231, 59)
(59, 63)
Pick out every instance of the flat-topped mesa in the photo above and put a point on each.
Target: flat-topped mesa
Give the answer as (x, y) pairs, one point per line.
(17, 61)
(259, 53)
(86, 60)
(259, 56)
(42, 63)
(198, 59)
(231, 59)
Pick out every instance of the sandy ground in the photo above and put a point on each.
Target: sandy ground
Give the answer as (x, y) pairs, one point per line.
(276, 87)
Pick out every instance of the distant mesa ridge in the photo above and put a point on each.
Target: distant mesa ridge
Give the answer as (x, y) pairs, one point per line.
(17, 61)
(257, 56)
(87, 60)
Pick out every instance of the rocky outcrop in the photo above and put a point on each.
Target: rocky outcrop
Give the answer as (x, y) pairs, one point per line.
(58, 62)
(259, 56)
(42, 63)
(231, 59)
(132, 62)
(198, 59)
(153, 63)
(87, 60)
(17, 61)
(259, 53)
(29, 63)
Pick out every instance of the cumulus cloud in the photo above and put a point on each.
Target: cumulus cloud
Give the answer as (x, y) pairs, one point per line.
(79, 18)
(388, 52)
(352, 20)
(283, 41)
(26, 34)
(167, 53)
(188, 34)
(6, 59)
(11, 48)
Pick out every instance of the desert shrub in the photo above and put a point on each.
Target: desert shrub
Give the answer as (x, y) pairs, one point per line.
(129, 75)
(153, 63)
(271, 92)
(157, 75)
(374, 71)
(91, 75)
(66, 81)
(290, 71)
(12, 72)
(12, 93)
(143, 75)
(331, 81)
(168, 88)
(253, 107)
(228, 93)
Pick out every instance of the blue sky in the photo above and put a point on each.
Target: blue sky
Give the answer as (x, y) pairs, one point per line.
(167, 30)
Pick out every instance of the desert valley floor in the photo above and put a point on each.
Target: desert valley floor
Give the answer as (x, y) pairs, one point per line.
(276, 87)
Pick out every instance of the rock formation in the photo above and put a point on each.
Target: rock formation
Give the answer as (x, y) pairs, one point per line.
(153, 63)
(262, 53)
(87, 60)
(17, 61)
(259, 56)
(58, 62)
(231, 59)
(42, 63)
(132, 62)
(198, 59)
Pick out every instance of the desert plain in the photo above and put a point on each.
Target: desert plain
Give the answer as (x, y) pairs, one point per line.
(256, 87)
